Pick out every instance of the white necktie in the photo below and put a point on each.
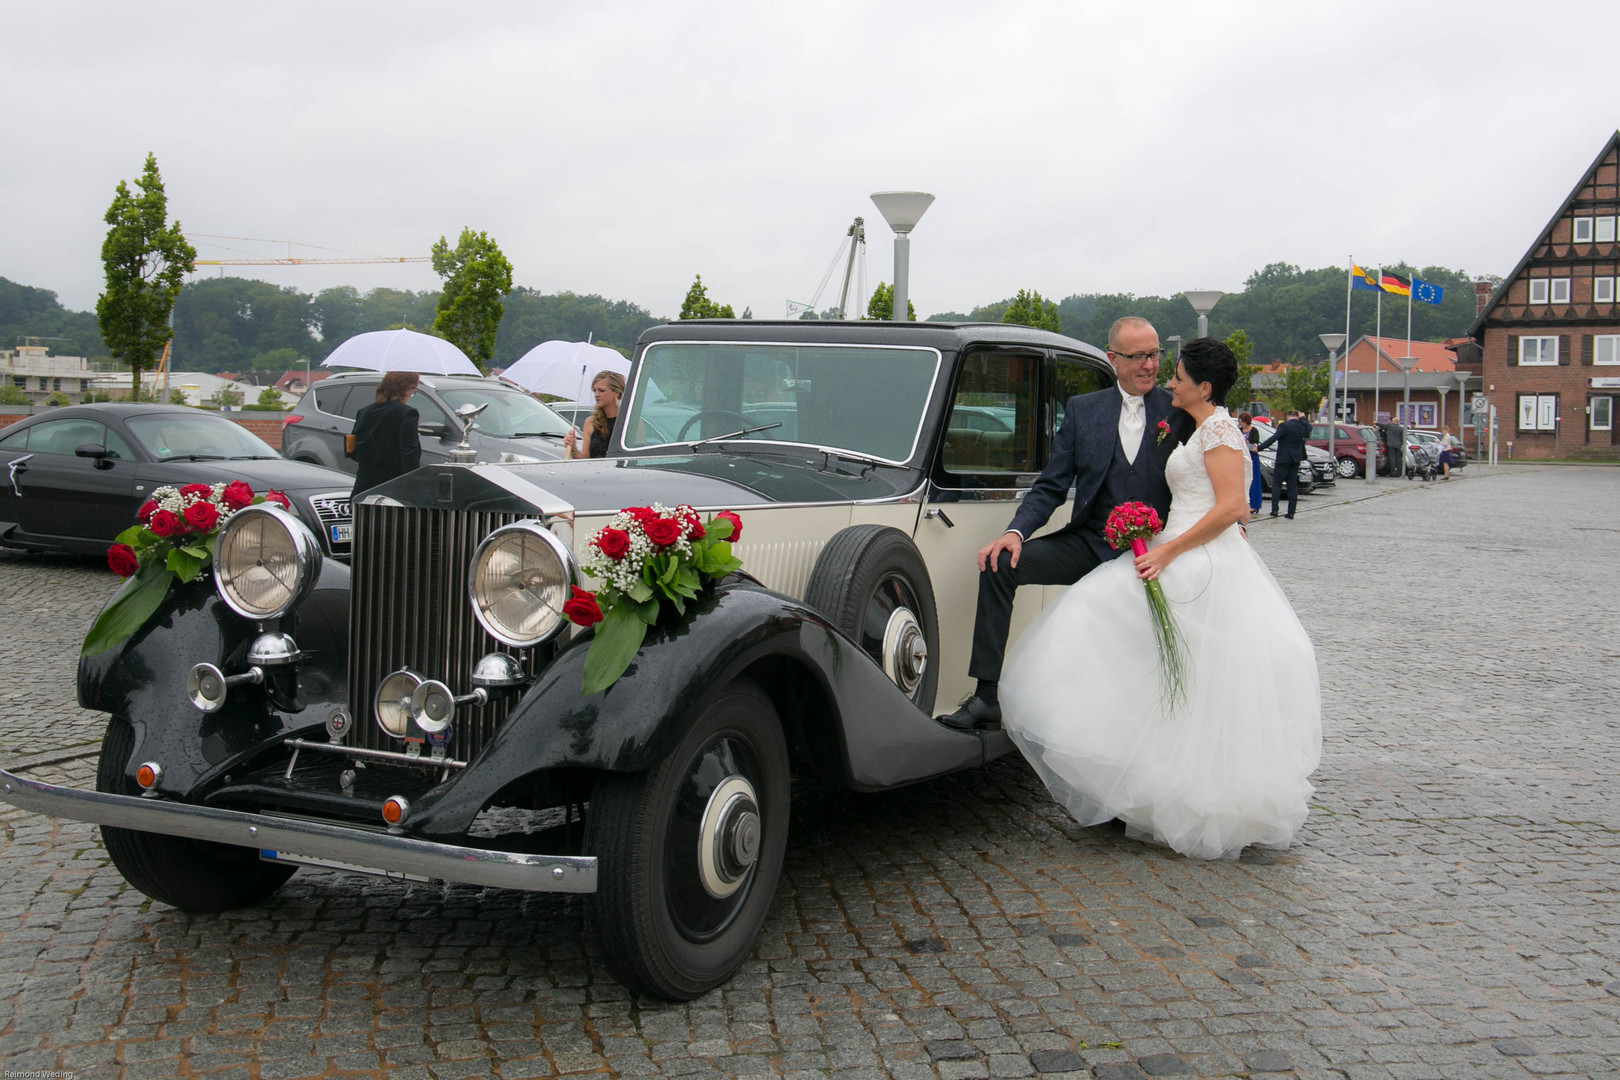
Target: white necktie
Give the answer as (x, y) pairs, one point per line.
(1130, 427)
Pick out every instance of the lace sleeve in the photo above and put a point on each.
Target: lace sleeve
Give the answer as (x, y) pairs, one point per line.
(1222, 431)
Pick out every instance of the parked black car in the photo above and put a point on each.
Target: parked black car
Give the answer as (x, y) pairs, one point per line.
(514, 428)
(75, 476)
(369, 717)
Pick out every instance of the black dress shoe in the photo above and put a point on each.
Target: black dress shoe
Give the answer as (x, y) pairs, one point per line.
(1290, 517)
(1274, 513)
(975, 714)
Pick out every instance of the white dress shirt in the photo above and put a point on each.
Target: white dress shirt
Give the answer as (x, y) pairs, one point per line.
(1132, 420)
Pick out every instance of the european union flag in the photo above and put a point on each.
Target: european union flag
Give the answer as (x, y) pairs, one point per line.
(1360, 279)
(1425, 293)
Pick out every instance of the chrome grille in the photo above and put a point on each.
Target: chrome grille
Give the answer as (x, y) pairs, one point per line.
(408, 608)
(332, 509)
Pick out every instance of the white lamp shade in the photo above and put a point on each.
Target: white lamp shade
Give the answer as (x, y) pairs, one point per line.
(1405, 363)
(902, 209)
(1331, 342)
(1203, 301)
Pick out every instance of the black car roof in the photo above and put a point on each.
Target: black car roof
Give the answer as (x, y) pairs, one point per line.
(939, 335)
(121, 409)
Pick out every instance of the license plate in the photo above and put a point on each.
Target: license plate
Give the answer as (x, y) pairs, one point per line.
(342, 534)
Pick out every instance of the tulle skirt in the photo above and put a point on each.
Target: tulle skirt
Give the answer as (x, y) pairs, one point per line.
(1081, 697)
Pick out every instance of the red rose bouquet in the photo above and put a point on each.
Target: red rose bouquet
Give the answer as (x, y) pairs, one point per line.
(173, 540)
(1132, 525)
(645, 557)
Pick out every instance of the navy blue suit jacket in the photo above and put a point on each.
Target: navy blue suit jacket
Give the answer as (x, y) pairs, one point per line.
(1084, 450)
(1290, 438)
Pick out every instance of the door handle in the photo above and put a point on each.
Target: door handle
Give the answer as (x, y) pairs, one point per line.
(18, 466)
(936, 512)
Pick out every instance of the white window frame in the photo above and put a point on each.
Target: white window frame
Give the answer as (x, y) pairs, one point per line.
(1581, 231)
(1560, 290)
(1604, 232)
(1605, 406)
(1606, 349)
(1545, 347)
(1538, 290)
(1603, 290)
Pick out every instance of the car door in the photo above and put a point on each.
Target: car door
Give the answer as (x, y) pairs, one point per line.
(79, 498)
(333, 417)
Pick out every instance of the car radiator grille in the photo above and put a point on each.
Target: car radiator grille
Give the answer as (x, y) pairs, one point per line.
(332, 509)
(408, 608)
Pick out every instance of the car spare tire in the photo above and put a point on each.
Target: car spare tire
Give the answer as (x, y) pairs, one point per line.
(870, 581)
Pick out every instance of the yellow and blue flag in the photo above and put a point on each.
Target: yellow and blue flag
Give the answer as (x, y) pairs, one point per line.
(1361, 279)
(1425, 293)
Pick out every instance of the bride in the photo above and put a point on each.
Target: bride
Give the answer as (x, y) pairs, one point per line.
(1080, 692)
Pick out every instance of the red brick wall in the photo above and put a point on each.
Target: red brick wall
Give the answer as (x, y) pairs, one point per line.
(1570, 381)
(266, 426)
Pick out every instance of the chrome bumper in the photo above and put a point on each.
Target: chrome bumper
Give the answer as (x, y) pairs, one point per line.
(358, 849)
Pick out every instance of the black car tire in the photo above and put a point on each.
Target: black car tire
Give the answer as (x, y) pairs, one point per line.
(1348, 468)
(660, 928)
(864, 575)
(192, 875)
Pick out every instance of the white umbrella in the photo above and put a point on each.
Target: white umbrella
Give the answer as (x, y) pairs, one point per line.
(401, 350)
(564, 368)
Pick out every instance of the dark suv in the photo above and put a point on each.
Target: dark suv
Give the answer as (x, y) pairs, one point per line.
(514, 429)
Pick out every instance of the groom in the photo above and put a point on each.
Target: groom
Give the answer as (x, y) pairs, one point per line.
(1112, 450)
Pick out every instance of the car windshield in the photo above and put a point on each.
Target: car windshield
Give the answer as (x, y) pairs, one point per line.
(867, 399)
(511, 414)
(196, 436)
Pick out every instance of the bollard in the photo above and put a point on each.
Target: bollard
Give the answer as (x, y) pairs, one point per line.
(1371, 442)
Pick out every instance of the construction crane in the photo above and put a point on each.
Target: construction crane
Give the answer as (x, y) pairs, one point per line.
(855, 242)
(294, 260)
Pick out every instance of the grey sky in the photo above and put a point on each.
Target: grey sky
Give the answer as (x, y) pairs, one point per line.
(620, 148)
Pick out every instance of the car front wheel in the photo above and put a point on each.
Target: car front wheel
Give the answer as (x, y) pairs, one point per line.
(689, 852)
(1347, 467)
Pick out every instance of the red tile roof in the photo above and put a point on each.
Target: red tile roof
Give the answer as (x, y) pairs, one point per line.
(1430, 356)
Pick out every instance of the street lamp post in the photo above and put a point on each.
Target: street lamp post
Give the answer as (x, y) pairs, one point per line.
(1203, 301)
(1331, 342)
(1406, 363)
(902, 210)
(1175, 339)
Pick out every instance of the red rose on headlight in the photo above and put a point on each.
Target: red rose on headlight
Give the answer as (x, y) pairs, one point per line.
(237, 495)
(279, 498)
(200, 517)
(613, 543)
(582, 608)
(121, 560)
(144, 514)
(201, 491)
(165, 523)
(736, 524)
(662, 531)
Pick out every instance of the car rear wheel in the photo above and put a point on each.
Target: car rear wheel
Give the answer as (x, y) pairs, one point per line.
(1347, 467)
(192, 875)
(689, 852)
(871, 582)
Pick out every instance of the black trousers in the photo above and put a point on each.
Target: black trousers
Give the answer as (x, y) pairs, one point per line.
(1062, 558)
(1285, 477)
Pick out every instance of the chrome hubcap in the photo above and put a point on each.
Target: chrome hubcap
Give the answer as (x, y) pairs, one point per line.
(728, 842)
(905, 650)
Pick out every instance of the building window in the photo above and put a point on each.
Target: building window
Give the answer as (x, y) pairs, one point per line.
(1603, 290)
(1583, 230)
(56, 384)
(1538, 350)
(1537, 412)
(1416, 414)
(1538, 290)
(1560, 290)
(1605, 230)
(1606, 349)
(1603, 414)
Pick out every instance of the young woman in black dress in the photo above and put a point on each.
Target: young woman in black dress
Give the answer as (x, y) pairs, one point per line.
(386, 441)
(608, 388)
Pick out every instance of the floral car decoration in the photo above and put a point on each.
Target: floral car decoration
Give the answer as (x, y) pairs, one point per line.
(173, 541)
(646, 557)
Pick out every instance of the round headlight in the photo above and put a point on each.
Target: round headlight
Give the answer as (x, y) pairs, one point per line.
(519, 582)
(265, 561)
(392, 706)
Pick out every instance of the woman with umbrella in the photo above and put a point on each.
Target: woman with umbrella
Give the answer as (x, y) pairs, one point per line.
(386, 441)
(608, 388)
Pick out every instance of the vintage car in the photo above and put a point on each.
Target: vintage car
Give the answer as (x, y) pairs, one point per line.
(396, 715)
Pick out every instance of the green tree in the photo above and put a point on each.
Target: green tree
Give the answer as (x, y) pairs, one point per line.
(225, 395)
(1242, 391)
(1303, 388)
(1029, 309)
(58, 398)
(176, 397)
(11, 394)
(145, 258)
(269, 397)
(698, 305)
(881, 306)
(476, 277)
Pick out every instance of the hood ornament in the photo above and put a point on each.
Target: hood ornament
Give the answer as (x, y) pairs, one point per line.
(462, 453)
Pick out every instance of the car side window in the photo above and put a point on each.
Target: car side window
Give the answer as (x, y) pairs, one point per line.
(17, 440)
(67, 435)
(428, 412)
(360, 395)
(992, 424)
(329, 399)
(1066, 379)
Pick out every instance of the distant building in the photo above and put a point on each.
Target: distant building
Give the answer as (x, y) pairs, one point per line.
(198, 387)
(293, 382)
(31, 369)
(1378, 389)
(1548, 336)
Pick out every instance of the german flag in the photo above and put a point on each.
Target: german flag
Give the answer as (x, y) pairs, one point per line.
(1392, 283)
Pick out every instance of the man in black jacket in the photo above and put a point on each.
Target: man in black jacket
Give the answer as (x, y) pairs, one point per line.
(1290, 438)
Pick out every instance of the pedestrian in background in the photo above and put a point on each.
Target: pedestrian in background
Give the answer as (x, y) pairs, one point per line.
(1290, 438)
(608, 389)
(386, 440)
(1447, 444)
(1395, 444)
(1251, 438)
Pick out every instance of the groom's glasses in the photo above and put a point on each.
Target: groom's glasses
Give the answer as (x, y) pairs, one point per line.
(1139, 357)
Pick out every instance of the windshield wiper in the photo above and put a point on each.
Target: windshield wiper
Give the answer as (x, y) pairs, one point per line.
(535, 435)
(196, 457)
(849, 455)
(250, 457)
(733, 434)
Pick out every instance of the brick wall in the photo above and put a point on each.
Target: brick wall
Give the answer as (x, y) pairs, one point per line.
(1569, 380)
(266, 425)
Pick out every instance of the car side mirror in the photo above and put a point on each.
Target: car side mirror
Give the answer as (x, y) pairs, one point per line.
(433, 429)
(93, 450)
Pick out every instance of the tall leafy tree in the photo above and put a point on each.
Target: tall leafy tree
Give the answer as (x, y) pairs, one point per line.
(1029, 309)
(145, 258)
(476, 277)
(698, 305)
(1242, 391)
(881, 306)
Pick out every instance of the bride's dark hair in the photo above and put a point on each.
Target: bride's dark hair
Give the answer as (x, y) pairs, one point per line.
(1210, 361)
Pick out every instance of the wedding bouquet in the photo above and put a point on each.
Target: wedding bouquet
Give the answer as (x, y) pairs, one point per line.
(172, 541)
(1131, 525)
(645, 557)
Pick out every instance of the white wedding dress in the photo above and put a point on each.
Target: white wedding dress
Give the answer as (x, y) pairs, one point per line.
(1081, 696)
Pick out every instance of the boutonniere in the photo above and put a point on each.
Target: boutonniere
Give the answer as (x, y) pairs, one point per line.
(1164, 432)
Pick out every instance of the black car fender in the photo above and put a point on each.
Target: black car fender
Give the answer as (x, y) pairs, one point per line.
(144, 679)
(845, 720)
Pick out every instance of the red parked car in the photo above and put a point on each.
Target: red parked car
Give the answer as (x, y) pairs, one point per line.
(1350, 447)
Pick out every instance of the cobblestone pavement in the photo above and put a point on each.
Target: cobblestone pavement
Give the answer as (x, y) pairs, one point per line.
(1449, 910)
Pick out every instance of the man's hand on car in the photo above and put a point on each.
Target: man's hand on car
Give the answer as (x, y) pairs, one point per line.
(991, 552)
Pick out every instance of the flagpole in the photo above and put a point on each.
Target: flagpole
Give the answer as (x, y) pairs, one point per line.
(1349, 291)
(1409, 281)
(1378, 341)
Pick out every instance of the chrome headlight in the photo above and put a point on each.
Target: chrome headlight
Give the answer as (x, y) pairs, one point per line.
(519, 582)
(265, 561)
(392, 705)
